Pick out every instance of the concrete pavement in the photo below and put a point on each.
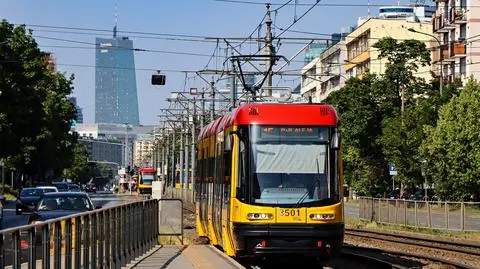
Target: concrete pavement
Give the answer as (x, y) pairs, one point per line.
(189, 257)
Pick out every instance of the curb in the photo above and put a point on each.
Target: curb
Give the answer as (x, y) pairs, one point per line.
(227, 258)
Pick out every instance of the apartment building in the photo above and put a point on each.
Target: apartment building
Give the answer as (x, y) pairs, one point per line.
(456, 24)
(324, 74)
(362, 57)
(143, 150)
(354, 54)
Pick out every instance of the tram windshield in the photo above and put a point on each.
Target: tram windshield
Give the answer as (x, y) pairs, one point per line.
(147, 178)
(289, 165)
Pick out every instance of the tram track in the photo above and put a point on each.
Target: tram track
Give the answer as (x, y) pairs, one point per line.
(461, 254)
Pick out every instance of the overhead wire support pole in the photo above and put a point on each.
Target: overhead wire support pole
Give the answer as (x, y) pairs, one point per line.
(269, 52)
(212, 94)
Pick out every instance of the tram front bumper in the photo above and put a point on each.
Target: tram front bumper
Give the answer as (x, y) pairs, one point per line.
(288, 239)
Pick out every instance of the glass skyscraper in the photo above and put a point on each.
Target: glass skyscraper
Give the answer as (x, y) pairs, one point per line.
(116, 98)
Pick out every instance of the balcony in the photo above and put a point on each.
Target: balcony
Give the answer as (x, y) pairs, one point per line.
(441, 24)
(441, 54)
(458, 49)
(457, 15)
(456, 79)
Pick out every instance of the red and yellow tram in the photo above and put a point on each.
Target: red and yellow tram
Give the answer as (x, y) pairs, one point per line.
(269, 181)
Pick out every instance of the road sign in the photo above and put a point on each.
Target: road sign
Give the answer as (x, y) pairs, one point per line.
(392, 170)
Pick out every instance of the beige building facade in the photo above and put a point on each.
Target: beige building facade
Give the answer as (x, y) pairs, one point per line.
(324, 74)
(362, 57)
(142, 151)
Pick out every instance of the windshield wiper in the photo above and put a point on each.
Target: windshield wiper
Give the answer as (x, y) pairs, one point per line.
(305, 195)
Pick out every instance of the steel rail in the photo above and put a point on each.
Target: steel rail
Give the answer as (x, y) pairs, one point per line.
(367, 250)
(352, 251)
(456, 246)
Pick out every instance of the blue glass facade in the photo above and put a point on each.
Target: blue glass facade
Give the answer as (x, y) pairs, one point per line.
(116, 98)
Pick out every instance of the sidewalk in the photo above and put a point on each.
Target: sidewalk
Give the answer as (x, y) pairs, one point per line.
(190, 257)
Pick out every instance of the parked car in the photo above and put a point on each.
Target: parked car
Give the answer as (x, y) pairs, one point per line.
(29, 197)
(90, 187)
(67, 187)
(48, 188)
(59, 204)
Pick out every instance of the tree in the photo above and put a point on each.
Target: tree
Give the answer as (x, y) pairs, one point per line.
(360, 104)
(79, 170)
(452, 148)
(35, 113)
(375, 130)
(22, 69)
(402, 131)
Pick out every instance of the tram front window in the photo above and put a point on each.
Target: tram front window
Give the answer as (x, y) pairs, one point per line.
(288, 174)
(147, 178)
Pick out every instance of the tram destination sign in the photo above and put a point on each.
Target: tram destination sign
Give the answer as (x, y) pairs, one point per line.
(294, 132)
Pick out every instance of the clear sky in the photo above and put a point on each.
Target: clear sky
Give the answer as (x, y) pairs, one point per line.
(75, 53)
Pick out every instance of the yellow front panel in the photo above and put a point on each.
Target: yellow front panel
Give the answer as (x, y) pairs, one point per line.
(336, 209)
(239, 212)
(291, 215)
(285, 215)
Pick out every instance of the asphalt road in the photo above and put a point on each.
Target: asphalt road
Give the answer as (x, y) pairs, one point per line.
(104, 199)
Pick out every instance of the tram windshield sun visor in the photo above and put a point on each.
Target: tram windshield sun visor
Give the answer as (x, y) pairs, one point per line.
(290, 169)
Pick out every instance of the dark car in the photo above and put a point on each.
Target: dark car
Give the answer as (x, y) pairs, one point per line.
(60, 204)
(90, 187)
(28, 199)
(67, 187)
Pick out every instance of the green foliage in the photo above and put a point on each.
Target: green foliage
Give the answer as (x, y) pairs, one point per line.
(79, 171)
(361, 105)
(404, 58)
(22, 68)
(452, 148)
(375, 130)
(35, 113)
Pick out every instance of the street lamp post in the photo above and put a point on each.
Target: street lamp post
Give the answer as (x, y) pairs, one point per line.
(440, 55)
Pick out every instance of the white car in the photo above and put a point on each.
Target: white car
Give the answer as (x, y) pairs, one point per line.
(48, 188)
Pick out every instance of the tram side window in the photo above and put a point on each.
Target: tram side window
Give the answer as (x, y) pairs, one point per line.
(205, 173)
(227, 164)
(241, 185)
(218, 174)
(198, 175)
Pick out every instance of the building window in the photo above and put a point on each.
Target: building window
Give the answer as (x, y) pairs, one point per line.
(463, 66)
(358, 45)
(463, 32)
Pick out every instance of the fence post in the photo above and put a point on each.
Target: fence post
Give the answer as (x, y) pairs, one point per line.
(429, 215)
(46, 246)
(57, 245)
(446, 216)
(388, 210)
(416, 216)
(405, 212)
(372, 215)
(32, 261)
(86, 241)
(396, 211)
(68, 244)
(78, 243)
(462, 216)
(16, 261)
(94, 257)
(379, 210)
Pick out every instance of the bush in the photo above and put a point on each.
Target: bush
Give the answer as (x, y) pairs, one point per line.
(7, 190)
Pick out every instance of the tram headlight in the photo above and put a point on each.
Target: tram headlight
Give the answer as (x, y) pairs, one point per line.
(259, 216)
(322, 216)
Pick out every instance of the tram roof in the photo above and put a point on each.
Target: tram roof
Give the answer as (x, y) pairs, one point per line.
(273, 114)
